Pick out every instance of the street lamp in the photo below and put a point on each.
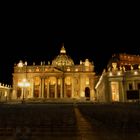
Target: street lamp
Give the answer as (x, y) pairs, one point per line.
(23, 84)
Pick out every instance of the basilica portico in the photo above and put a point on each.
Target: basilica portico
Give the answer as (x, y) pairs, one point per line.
(60, 79)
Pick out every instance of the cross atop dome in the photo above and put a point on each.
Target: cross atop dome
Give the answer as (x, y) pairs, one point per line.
(63, 50)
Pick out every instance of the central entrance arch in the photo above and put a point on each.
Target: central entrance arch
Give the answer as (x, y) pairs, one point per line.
(87, 93)
(68, 86)
(52, 84)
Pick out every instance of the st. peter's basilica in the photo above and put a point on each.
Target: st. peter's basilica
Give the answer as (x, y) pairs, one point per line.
(59, 79)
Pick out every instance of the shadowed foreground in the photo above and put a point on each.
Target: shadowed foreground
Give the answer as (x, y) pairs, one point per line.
(68, 121)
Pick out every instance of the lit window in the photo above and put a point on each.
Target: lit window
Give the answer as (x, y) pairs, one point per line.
(36, 80)
(87, 81)
(110, 73)
(68, 80)
(52, 81)
(135, 72)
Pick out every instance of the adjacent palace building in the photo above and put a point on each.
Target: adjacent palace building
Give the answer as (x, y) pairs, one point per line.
(62, 79)
(121, 81)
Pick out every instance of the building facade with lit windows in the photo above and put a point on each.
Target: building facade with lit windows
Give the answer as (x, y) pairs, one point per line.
(121, 81)
(5, 92)
(61, 79)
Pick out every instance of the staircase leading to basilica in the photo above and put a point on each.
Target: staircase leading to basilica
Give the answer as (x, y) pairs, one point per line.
(41, 121)
(61, 121)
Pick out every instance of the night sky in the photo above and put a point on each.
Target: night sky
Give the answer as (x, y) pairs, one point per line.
(35, 40)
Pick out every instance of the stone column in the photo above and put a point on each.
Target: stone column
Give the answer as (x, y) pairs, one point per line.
(80, 85)
(22, 92)
(32, 88)
(120, 91)
(125, 90)
(134, 85)
(64, 88)
(55, 96)
(72, 88)
(42, 89)
(61, 88)
(109, 91)
(48, 90)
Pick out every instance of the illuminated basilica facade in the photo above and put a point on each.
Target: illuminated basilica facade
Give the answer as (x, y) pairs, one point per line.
(60, 79)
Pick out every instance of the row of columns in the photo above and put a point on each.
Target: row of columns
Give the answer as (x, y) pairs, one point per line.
(42, 89)
(75, 87)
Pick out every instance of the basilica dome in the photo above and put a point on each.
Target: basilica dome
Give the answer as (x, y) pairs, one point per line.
(62, 59)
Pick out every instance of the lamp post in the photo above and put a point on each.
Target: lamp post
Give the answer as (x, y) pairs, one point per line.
(23, 84)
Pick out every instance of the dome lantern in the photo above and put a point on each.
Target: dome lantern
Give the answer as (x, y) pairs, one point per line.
(62, 51)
